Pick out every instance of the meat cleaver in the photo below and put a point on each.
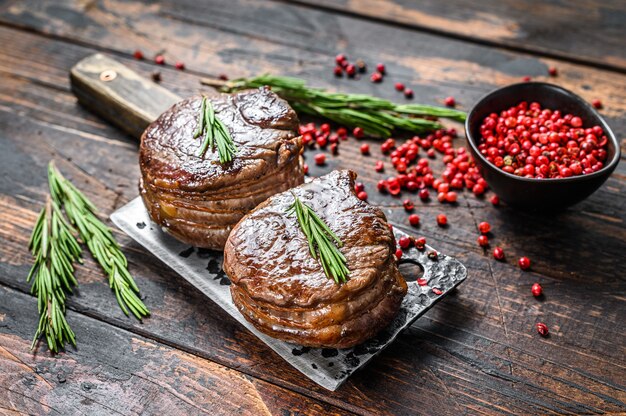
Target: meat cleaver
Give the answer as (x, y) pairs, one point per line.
(132, 102)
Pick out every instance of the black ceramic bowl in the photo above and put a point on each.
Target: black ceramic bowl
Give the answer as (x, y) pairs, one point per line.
(539, 194)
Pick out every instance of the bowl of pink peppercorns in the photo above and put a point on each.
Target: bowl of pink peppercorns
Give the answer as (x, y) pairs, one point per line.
(540, 146)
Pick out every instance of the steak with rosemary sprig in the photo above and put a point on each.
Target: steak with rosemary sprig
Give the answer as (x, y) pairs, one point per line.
(284, 291)
(190, 193)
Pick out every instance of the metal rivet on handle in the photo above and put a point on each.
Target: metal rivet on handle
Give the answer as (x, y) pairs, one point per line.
(108, 75)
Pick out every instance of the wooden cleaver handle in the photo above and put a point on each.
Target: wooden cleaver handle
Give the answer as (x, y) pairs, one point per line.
(118, 94)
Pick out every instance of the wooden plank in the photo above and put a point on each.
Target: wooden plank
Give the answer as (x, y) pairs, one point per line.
(118, 372)
(462, 345)
(282, 38)
(590, 32)
(472, 354)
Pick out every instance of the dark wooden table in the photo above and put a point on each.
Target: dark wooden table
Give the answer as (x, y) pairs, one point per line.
(476, 352)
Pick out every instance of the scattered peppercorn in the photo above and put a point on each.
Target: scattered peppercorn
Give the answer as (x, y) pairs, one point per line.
(399, 86)
(305, 168)
(404, 242)
(498, 253)
(380, 166)
(156, 76)
(433, 255)
(159, 59)
(495, 200)
(360, 65)
(526, 78)
(596, 103)
(138, 55)
(339, 59)
(536, 290)
(408, 93)
(362, 196)
(442, 220)
(376, 77)
(450, 101)
(478, 189)
(552, 71)
(542, 329)
(180, 65)
(483, 241)
(381, 68)
(421, 281)
(424, 194)
(420, 243)
(524, 263)
(436, 291)
(365, 149)
(398, 254)
(414, 220)
(338, 71)
(358, 132)
(408, 205)
(351, 70)
(393, 186)
(358, 187)
(320, 159)
(223, 77)
(484, 227)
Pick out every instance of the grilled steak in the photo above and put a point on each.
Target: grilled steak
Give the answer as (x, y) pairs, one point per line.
(199, 200)
(280, 288)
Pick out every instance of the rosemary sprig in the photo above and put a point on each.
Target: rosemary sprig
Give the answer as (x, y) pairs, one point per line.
(99, 239)
(216, 133)
(320, 237)
(55, 249)
(377, 117)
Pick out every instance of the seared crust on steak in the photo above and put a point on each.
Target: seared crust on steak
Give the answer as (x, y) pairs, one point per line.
(197, 199)
(280, 288)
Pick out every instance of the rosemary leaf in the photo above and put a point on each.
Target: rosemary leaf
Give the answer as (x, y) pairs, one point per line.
(216, 134)
(209, 116)
(200, 127)
(319, 238)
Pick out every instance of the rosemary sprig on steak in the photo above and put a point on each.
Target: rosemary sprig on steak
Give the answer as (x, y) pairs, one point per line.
(377, 117)
(55, 250)
(216, 134)
(320, 237)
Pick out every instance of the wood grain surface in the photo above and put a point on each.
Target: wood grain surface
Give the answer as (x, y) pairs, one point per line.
(476, 352)
(591, 32)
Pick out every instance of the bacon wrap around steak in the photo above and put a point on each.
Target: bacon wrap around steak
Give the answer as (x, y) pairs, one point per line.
(282, 290)
(196, 198)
